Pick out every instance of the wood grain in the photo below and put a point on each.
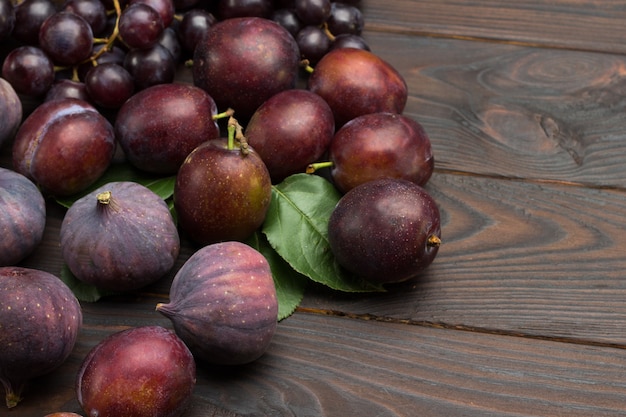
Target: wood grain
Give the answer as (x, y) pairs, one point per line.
(518, 112)
(562, 24)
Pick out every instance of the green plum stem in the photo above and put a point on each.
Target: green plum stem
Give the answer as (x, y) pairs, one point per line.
(311, 168)
(228, 113)
(231, 136)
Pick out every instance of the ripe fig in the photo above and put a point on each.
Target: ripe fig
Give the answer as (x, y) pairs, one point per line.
(385, 230)
(22, 217)
(291, 130)
(159, 126)
(222, 192)
(39, 322)
(10, 112)
(243, 61)
(64, 146)
(380, 145)
(355, 82)
(223, 304)
(139, 372)
(119, 237)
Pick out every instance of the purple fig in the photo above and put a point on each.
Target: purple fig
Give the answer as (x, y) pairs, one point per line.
(119, 237)
(138, 372)
(39, 323)
(223, 304)
(22, 217)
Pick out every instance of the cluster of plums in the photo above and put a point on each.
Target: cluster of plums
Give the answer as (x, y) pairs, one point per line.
(239, 128)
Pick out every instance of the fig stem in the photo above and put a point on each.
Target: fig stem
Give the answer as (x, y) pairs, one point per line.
(13, 396)
(311, 168)
(104, 197)
(433, 241)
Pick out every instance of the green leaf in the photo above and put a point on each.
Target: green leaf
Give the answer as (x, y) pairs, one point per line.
(290, 285)
(296, 226)
(82, 290)
(162, 186)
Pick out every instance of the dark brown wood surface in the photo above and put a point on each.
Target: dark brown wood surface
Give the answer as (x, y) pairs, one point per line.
(523, 311)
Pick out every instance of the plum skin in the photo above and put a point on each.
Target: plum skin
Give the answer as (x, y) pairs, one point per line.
(355, 82)
(10, 111)
(39, 324)
(140, 371)
(63, 146)
(291, 130)
(223, 304)
(380, 145)
(159, 126)
(22, 217)
(123, 244)
(385, 231)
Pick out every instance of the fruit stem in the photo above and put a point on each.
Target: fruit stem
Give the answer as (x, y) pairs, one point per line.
(228, 113)
(311, 168)
(307, 66)
(328, 32)
(236, 131)
(433, 241)
(104, 197)
(13, 396)
(231, 135)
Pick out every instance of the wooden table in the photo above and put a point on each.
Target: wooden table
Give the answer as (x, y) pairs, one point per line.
(524, 310)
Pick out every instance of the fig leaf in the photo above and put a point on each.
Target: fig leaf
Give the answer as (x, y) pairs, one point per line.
(296, 226)
(290, 285)
(83, 291)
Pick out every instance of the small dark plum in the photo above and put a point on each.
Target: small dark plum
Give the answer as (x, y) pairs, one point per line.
(222, 192)
(137, 372)
(290, 131)
(119, 237)
(10, 112)
(242, 62)
(223, 304)
(64, 146)
(385, 231)
(22, 217)
(380, 145)
(160, 144)
(355, 82)
(39, 323)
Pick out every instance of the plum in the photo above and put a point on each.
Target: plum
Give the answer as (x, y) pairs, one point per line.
(64, 146)
(380, 145)
(221, 192)
(291, 130)
(10, 111)
(385, 231)
(242, 62)
(160, 144)
(355, 82)
(137, 372)
(39, 323)
(121, 237)
(22, 217)
(223, 304)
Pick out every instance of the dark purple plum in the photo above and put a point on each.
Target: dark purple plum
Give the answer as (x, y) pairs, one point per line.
(221, 192)
(39, 323)
(223, 304)
(290, 131)
(160, 144)
(119, 237)
(10, 112)
(64, 146)
(385, 231)
(242, 62)
(22, 217)
(355, 82)
(137, 372)
(380, 145)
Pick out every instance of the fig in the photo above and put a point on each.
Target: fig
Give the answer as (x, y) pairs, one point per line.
(22, 217)
(39, 322)
(64, 146)
(223, 304)
(119, 237)
(10, 111)
(143, 371)
(385, 231)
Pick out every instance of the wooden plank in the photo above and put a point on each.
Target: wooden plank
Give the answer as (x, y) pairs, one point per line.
(564, 24)
(328, 366)
(517, 257)
(504, 110)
